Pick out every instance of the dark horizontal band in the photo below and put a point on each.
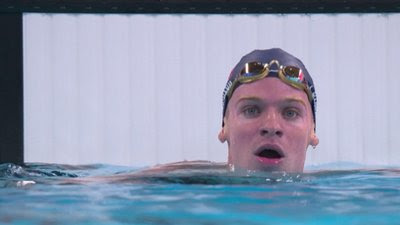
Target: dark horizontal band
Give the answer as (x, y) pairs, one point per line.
(201, 6)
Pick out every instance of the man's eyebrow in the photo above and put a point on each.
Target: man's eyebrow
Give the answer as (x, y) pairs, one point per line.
(249, 98)
(284, 101)
(295, 99)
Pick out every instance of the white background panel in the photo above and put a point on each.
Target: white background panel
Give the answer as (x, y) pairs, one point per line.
(143, 91)
(269, 27)
(194, 94)
(393, 88)
(65, 87)
(322, 58)
(90, 73)
(218, 66)
(146, 89)
(374, 109)
(350, 123)
(38, 89)
(168, 87)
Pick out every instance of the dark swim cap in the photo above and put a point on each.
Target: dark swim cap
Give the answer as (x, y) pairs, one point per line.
(266, 56)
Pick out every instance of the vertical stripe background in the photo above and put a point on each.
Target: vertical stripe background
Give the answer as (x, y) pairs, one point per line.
(146, 89)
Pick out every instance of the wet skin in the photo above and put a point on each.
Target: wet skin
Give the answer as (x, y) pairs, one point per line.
(268, 127)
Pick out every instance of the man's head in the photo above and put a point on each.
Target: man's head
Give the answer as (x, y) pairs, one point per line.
(269, 112)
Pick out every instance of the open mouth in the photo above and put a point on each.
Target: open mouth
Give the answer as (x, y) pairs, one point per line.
(270, 153)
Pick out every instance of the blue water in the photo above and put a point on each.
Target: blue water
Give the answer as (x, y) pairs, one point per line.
(48, 194)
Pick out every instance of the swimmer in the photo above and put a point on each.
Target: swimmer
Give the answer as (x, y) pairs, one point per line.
(268, 117)
(269, 106)
(268, 121)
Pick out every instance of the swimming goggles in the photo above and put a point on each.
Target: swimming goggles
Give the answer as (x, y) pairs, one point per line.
(254, 71)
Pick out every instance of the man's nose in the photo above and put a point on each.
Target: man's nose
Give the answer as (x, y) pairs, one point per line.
(271, 125)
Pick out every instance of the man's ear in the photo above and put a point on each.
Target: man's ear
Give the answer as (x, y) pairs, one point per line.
(222, 135)
(314, 140)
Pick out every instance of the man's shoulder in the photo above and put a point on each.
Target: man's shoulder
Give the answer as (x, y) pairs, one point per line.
(185, 165)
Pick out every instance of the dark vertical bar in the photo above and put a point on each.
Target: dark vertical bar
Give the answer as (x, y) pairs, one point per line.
(11, 89)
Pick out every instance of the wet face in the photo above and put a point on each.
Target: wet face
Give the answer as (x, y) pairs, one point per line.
(268, 127)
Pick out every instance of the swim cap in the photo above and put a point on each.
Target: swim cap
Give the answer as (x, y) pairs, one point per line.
(266, 56)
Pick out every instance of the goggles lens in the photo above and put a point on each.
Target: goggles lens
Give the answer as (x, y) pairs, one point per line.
(293, 73)
(252, 69)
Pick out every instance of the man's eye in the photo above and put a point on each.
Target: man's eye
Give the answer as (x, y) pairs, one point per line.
(251, 111)
(290, 113)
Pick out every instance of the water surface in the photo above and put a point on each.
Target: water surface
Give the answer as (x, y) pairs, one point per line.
(44, 194)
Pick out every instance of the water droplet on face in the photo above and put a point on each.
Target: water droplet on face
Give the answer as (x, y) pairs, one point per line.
(231, 167)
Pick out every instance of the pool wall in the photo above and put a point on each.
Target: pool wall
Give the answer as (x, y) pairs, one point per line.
(144, 89)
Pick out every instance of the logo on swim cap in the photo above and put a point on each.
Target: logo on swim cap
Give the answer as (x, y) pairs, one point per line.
(226, 90)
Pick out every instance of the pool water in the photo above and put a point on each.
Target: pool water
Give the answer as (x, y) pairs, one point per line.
(46, 194)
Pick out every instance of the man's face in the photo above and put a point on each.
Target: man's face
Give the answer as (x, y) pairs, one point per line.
(268, 127)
